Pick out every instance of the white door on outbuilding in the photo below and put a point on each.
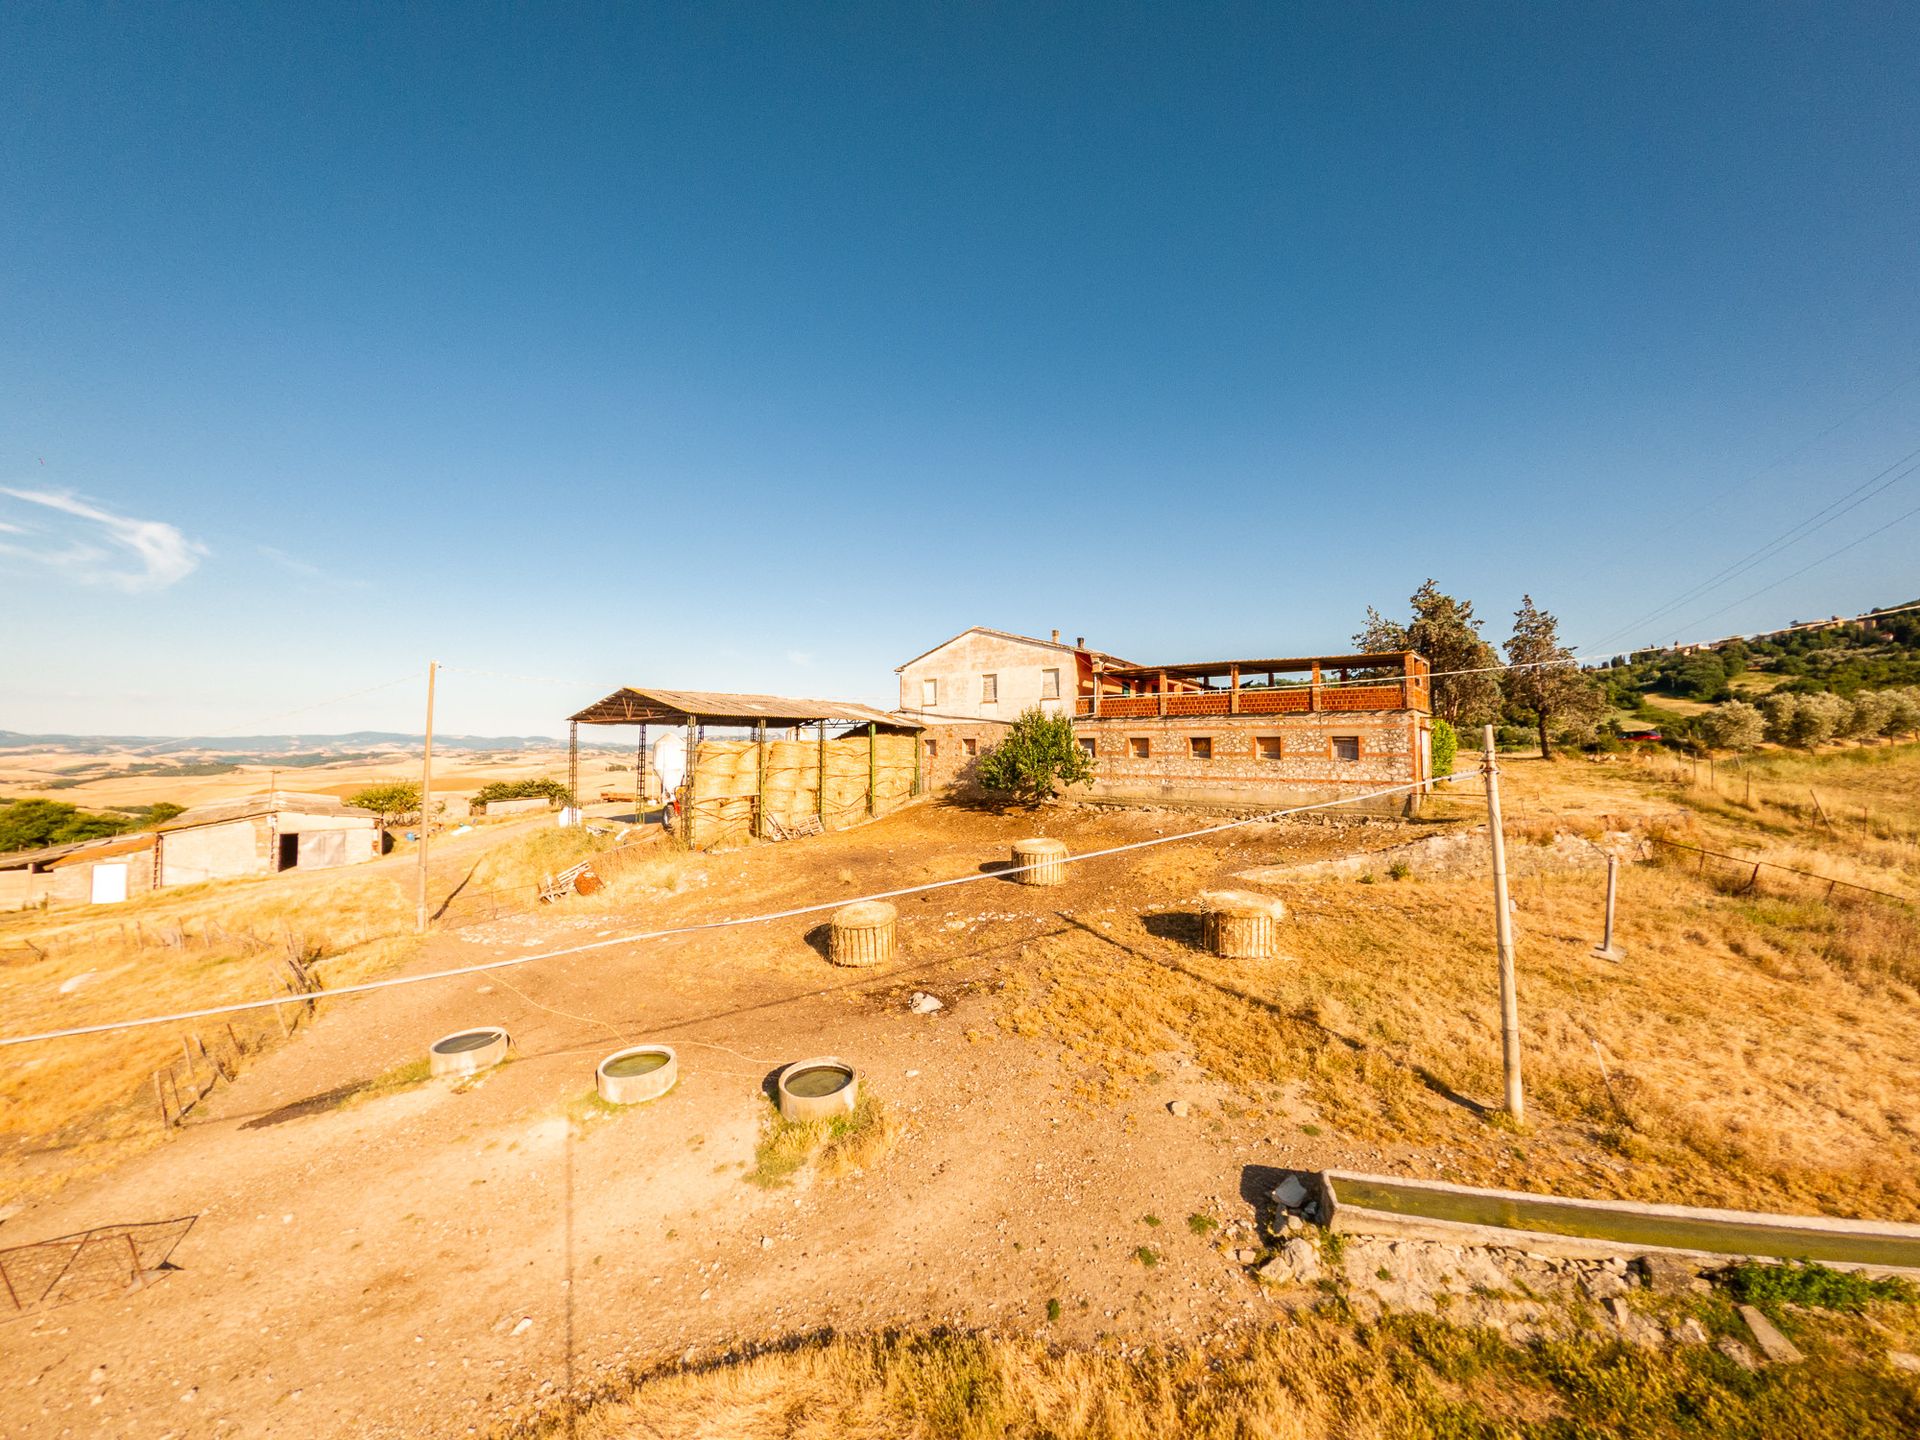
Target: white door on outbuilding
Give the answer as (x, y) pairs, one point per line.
(110, 883)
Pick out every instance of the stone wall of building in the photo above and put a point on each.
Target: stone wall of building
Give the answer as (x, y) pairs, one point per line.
(1242, 760)
(958, 668)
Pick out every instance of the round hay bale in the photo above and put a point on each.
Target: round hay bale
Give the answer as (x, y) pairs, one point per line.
(1239, 923)
(862, 934)
(1040, 861)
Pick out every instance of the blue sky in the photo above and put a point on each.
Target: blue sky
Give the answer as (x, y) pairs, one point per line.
(762, 347)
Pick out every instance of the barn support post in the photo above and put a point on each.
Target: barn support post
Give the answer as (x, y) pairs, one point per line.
(760, 780)
(640, 776)
(1233, 699)
(686, 810)
(873, 744)
(820, 789)
(573, 767)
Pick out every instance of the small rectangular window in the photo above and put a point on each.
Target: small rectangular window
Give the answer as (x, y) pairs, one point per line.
(1138, 747)
(929, 693)
(1200, 747)
(1049, 684)
(1346, 747)
(1266, 747)
(989, 689)
(1087, 744)
(970, 748)
(933, 749)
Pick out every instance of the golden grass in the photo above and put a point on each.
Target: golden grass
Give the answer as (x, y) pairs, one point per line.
(180, 949)
(1750, 1051)
(1406, 1378)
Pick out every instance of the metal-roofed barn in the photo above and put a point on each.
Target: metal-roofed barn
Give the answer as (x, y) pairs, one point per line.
(785, 775)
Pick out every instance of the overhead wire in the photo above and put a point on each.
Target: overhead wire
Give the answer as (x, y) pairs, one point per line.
(637, 937)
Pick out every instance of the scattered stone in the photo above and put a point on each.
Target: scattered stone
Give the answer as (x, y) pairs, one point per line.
(1245, 1256)
(526, 1324)
(925, 1004)
(1690, 1332)
(1290, 1193)
(99, 1374)
(1903, 1360)
(1775, 1346)
(1603, 1284)
(1736, 1352)
(188, 1396)
(1179, 1109)
(1297, 1263)
(1669, 1274)
(766, 1242)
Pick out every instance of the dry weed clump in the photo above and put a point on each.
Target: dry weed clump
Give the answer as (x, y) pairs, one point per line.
(842, 1145)
(1406, 1378)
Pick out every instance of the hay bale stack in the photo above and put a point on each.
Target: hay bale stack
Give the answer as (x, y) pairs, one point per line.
(1047, 860)
(1239, 924)
(862, 934)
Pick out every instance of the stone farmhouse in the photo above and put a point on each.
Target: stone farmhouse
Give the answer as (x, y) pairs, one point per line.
(1214, 733)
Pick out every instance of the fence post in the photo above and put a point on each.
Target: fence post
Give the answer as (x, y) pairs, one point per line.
(1606, 949)
(1503, 939)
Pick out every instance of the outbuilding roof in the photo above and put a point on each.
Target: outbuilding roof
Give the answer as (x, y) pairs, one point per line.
(649, 705)
(276, 802)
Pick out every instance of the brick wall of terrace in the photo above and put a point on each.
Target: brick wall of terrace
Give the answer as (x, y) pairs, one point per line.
(1273, 759)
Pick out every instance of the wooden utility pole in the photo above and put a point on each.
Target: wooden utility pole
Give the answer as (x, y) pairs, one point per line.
(1503, 939)
(426, 800)
(1606, 949)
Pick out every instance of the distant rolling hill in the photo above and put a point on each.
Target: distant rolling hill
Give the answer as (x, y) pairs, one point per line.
(356, 744)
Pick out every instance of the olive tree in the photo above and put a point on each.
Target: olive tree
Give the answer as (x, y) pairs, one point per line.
(1038, 758)
(1734, 725)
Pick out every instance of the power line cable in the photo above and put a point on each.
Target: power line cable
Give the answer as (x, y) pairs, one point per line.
(485, 967)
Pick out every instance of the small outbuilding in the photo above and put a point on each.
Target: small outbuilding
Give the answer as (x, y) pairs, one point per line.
(264, 835)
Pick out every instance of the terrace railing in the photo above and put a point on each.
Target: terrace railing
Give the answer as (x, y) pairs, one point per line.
(1290, 700)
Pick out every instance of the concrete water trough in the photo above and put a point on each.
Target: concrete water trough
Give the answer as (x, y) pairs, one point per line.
(637, 1074)
(1363, 1204)
(1040, 861)
(466, 1051)
(818, 1089)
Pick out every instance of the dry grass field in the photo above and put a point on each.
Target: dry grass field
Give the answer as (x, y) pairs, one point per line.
(963, 1261)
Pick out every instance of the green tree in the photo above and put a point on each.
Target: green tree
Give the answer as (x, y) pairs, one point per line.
(1543, 682)
(390, 802)
(1038, 758)
(1466, 681)
(542, 788)
(1446, 744)
(159, 813)
(31, 824)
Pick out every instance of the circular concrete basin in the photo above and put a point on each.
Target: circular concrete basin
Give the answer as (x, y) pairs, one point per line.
(467, 1051)
(818, 1089)
(641, 1073)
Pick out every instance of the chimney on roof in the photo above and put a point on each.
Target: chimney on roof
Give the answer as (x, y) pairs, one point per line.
(1056, 637)
(1079, 642)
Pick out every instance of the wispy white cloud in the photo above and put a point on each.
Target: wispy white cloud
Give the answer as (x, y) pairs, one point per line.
(801, 658)
(102, 548)
(294, 565)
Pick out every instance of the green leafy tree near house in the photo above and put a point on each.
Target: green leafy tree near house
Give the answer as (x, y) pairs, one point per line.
(1543, 682)
(1038, 758)
(522, 790)
(1446, 744)
(391, 802)
(1466, 681)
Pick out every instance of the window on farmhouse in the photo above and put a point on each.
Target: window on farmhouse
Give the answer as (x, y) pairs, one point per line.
(989, 689)
(1346, 747)
(933, 749)
(929, 693)
(1049, 684)
(1087, 744)
(1138, 748)
(1266, 747)
(1200, 747)
(969, 748)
